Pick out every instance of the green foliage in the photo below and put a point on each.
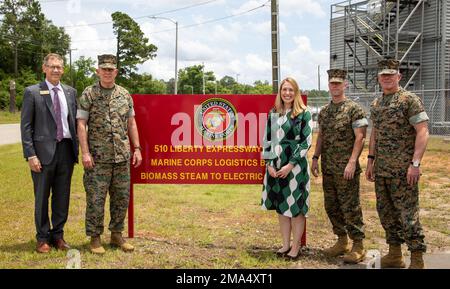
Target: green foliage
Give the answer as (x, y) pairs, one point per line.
(318, 94)
(8, 118)
(145, 84)
(170, 86)
(228, 85)
(211, 86)
(4, 97)
(82, 75)
(227, 81)
(26, 78)
(27, 34)
(193, 76)
(241, 89)
(262, 87)
(133, 46)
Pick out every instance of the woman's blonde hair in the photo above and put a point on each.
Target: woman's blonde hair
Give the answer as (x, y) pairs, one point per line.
(298, 105)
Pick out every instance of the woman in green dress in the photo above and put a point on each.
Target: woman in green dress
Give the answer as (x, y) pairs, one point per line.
(286, 183)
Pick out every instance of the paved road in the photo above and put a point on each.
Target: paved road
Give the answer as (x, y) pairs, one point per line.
(436, 260)
(9, 133)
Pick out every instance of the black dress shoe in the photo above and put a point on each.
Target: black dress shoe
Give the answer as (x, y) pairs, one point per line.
(292, 258)
(283, 253)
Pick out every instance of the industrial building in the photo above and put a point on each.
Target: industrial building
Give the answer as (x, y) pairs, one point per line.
(416, 32)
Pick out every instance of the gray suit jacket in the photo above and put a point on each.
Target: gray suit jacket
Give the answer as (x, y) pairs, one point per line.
(38, 124)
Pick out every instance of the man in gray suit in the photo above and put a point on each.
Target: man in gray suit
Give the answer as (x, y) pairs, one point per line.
(50, 146)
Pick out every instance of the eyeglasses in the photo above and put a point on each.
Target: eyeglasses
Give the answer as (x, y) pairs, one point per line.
(53, 67)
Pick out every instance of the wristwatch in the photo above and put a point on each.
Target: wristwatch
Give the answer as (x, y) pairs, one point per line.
(415, 164)
(137, 148)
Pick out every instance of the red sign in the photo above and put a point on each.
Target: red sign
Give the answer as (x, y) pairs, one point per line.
(200, 139)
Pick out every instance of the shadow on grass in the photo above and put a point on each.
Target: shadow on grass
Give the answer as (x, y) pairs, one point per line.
(30, 246)
(307, 253)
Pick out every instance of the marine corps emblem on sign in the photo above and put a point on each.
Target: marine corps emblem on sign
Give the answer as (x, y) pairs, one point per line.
(216, 119)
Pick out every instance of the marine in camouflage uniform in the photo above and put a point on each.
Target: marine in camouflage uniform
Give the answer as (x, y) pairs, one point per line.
(394, 117)
(107, 112)
(337, 142)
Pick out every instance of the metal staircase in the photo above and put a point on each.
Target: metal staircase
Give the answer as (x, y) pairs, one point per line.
(375, 29)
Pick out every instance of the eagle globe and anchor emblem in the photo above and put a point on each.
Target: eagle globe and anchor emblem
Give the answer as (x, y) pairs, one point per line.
(216, 119)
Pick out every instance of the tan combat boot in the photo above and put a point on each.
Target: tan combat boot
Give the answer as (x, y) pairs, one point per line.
(341, 247)
(96, 245)
(118, 241)
(394, 259)
(416, 260)
(357, 254)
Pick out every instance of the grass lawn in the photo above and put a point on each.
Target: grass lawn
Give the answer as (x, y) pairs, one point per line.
(205, 226)
(6, 117)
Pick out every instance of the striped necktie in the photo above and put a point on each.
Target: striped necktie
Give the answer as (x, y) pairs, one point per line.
(57, 108)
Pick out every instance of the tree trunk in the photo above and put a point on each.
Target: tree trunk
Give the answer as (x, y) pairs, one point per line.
(12, 96)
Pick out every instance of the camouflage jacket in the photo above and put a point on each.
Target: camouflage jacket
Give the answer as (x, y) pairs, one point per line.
(394, 117)
(107, 119)
(337, 123)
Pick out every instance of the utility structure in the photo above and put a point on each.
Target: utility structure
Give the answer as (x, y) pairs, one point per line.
(415, 32)
(70, 66)
(275, 45)
(176, 48)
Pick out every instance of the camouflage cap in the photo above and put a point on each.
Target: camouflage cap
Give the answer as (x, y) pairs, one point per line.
(388, 66)
(336, 75)
(107, 61)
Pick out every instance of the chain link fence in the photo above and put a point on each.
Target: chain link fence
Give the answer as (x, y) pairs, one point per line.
(436, 101)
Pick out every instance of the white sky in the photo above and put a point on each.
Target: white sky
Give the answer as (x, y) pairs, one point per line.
(238, 46)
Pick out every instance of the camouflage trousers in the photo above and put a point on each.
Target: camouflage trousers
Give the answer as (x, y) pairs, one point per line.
(103, 178)
(398, 209)
(341, 199)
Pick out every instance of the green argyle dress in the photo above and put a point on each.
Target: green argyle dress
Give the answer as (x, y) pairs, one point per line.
(286, 141)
